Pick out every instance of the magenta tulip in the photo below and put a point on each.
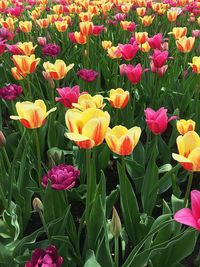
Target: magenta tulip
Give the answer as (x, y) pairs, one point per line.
(134, 74)
(68, 95)
(155, 41)
(190, 217)
(159, 58)
(128, 51)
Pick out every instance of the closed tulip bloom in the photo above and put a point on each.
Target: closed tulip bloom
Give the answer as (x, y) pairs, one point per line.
(159, 58)
(157, 121)
(178, 32)
(121, 140)
(86, 101)
(2, 47)
(185, 44)
(172, 15)
(26, 48)
(155, 41)
(189, 151)
(43, 23)
(32, 115)
(58, 70)
(25, 26)
(87, 128)
(184, 126)
(141, 11)
(114, 52)
(125, 24)
(77, 37)
(147, 20)
(134, 74)
(190, 217)
(68, 95)
(145, 47)
(160, 71)
(97, 29)
(61, 26)
(25, 64)
(195, 64)
(141, 37)
(128, 51)
(86, 28)
(118, 98)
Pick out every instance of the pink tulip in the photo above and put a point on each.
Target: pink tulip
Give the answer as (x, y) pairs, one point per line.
(68, 95)
(190, 217)
(72, 37)
(120, 16)
(13, 49)
(157, 120)
(128, 51)
(97, 29)
(42, 41)
(155, 41)
(160, 71)
(2, 47)
(195, 33)
(131, 27)
(134, 74)
(159, 58)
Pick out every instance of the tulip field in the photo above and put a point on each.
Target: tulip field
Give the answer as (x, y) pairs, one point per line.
(99, 133)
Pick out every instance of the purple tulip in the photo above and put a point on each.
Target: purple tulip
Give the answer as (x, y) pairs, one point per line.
(62, 177)
(87, 75)
(51, 50)
(45, 258)
(10, 92)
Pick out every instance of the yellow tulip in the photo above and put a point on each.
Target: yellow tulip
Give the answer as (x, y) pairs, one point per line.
(25, 64)
(184, 126)
(25, 26)
(87, 101)
(121, 140)
(87, 128)
(58, 70)
(118, 98)
(189, 151)
(32, 115)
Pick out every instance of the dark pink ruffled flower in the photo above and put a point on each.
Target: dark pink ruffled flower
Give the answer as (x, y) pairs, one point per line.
(62, 177)
(51, 50)
(45, 258)
(10, 92)
(68, 95)
(157, 121)
(87, 75)
(134, 74)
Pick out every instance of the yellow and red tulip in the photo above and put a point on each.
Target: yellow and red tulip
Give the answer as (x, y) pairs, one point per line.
(118, 98)
(25, 64)
(26, 48)
(25, 26)
(195, 64)
(184, 126)
(185, 44)
(58, 70)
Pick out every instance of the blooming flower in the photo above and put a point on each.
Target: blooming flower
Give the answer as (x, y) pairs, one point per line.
(32, 115)
(118, 98)
(159, 58)
(189, 151)
(87, 128)
(68, 95)
(62, 177)
(155, 41)
(128, 51)
(10, 92)
(87, 75)
(25, 64)
(58, 70)
(6, 34)
(185, 44)
(157, 120)
(48, 257)
(87, 101)
(134, 74)
(190, 217)
(184, 126)
(121, 140)
(51, 50)
(195, 64)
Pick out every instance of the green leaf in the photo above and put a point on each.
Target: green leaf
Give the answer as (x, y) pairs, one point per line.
(91, 261)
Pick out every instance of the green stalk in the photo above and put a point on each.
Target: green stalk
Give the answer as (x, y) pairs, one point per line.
(6, 157)
(116, 251)
(38, 153)
(45, 226)
(88, 51)
(188, 188)
(89, 181)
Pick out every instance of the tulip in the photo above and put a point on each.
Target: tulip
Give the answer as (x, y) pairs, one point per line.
(17, 75)
(25, 64)
(114, 52)
(68, 95)
(8, 23)
(97, 29)
(126, 25)
(25, 26)
(48, 257)
(159, 58)
(61, 26)
(121, 140)
(32, 115)
(184, 126)
(195, 64)
(77, 37)
(190, 217)
(178, 32)
(42, 41)
(43, 23)
(118, 98)
(145, 47)
(87, 75)
(128, 51)
(189, 151)
(160, 71)
(2, 47)
(10, 92)
(141, 11)
(62, 177)
(58, 70)
(13, 49)
(147, 20)
(157, 120)
(195, 33)
(87, 128)
(86, 28)
(87, 101)
(5, 34)
(120, 16)
(155, 41)
(106, 44)
(141, 37)
(26, 48)
(172, 15)
(185, 44)
(134, 74)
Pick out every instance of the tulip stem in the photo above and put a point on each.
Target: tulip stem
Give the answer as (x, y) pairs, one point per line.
(6, 157)
(116, 251)
(45, 226)
(88, 195)
(188, 188)
(38, 157)
(88, 51)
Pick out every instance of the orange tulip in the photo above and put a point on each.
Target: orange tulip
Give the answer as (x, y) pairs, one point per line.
(25, 64)
(121, 140)
(86, 28)
(125, 24)
(178, 32)
(185, 44)
(85, 16)
(184, 126)
(87, 128)
(8, 23)
(58, 70)
(25, 26)
(118, 98)
(189, 151)
(58, 9)
(26, 48)
(195, 64)
(32, 115)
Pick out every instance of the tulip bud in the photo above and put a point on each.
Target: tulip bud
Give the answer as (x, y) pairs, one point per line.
(115, 226)
(37, 205)
(2, 140)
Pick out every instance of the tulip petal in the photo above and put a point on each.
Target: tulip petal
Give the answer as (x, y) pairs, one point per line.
(126, 146)
(81, 140)
(195, 203)
(112, 142)
(186, 217)
(194, 156)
